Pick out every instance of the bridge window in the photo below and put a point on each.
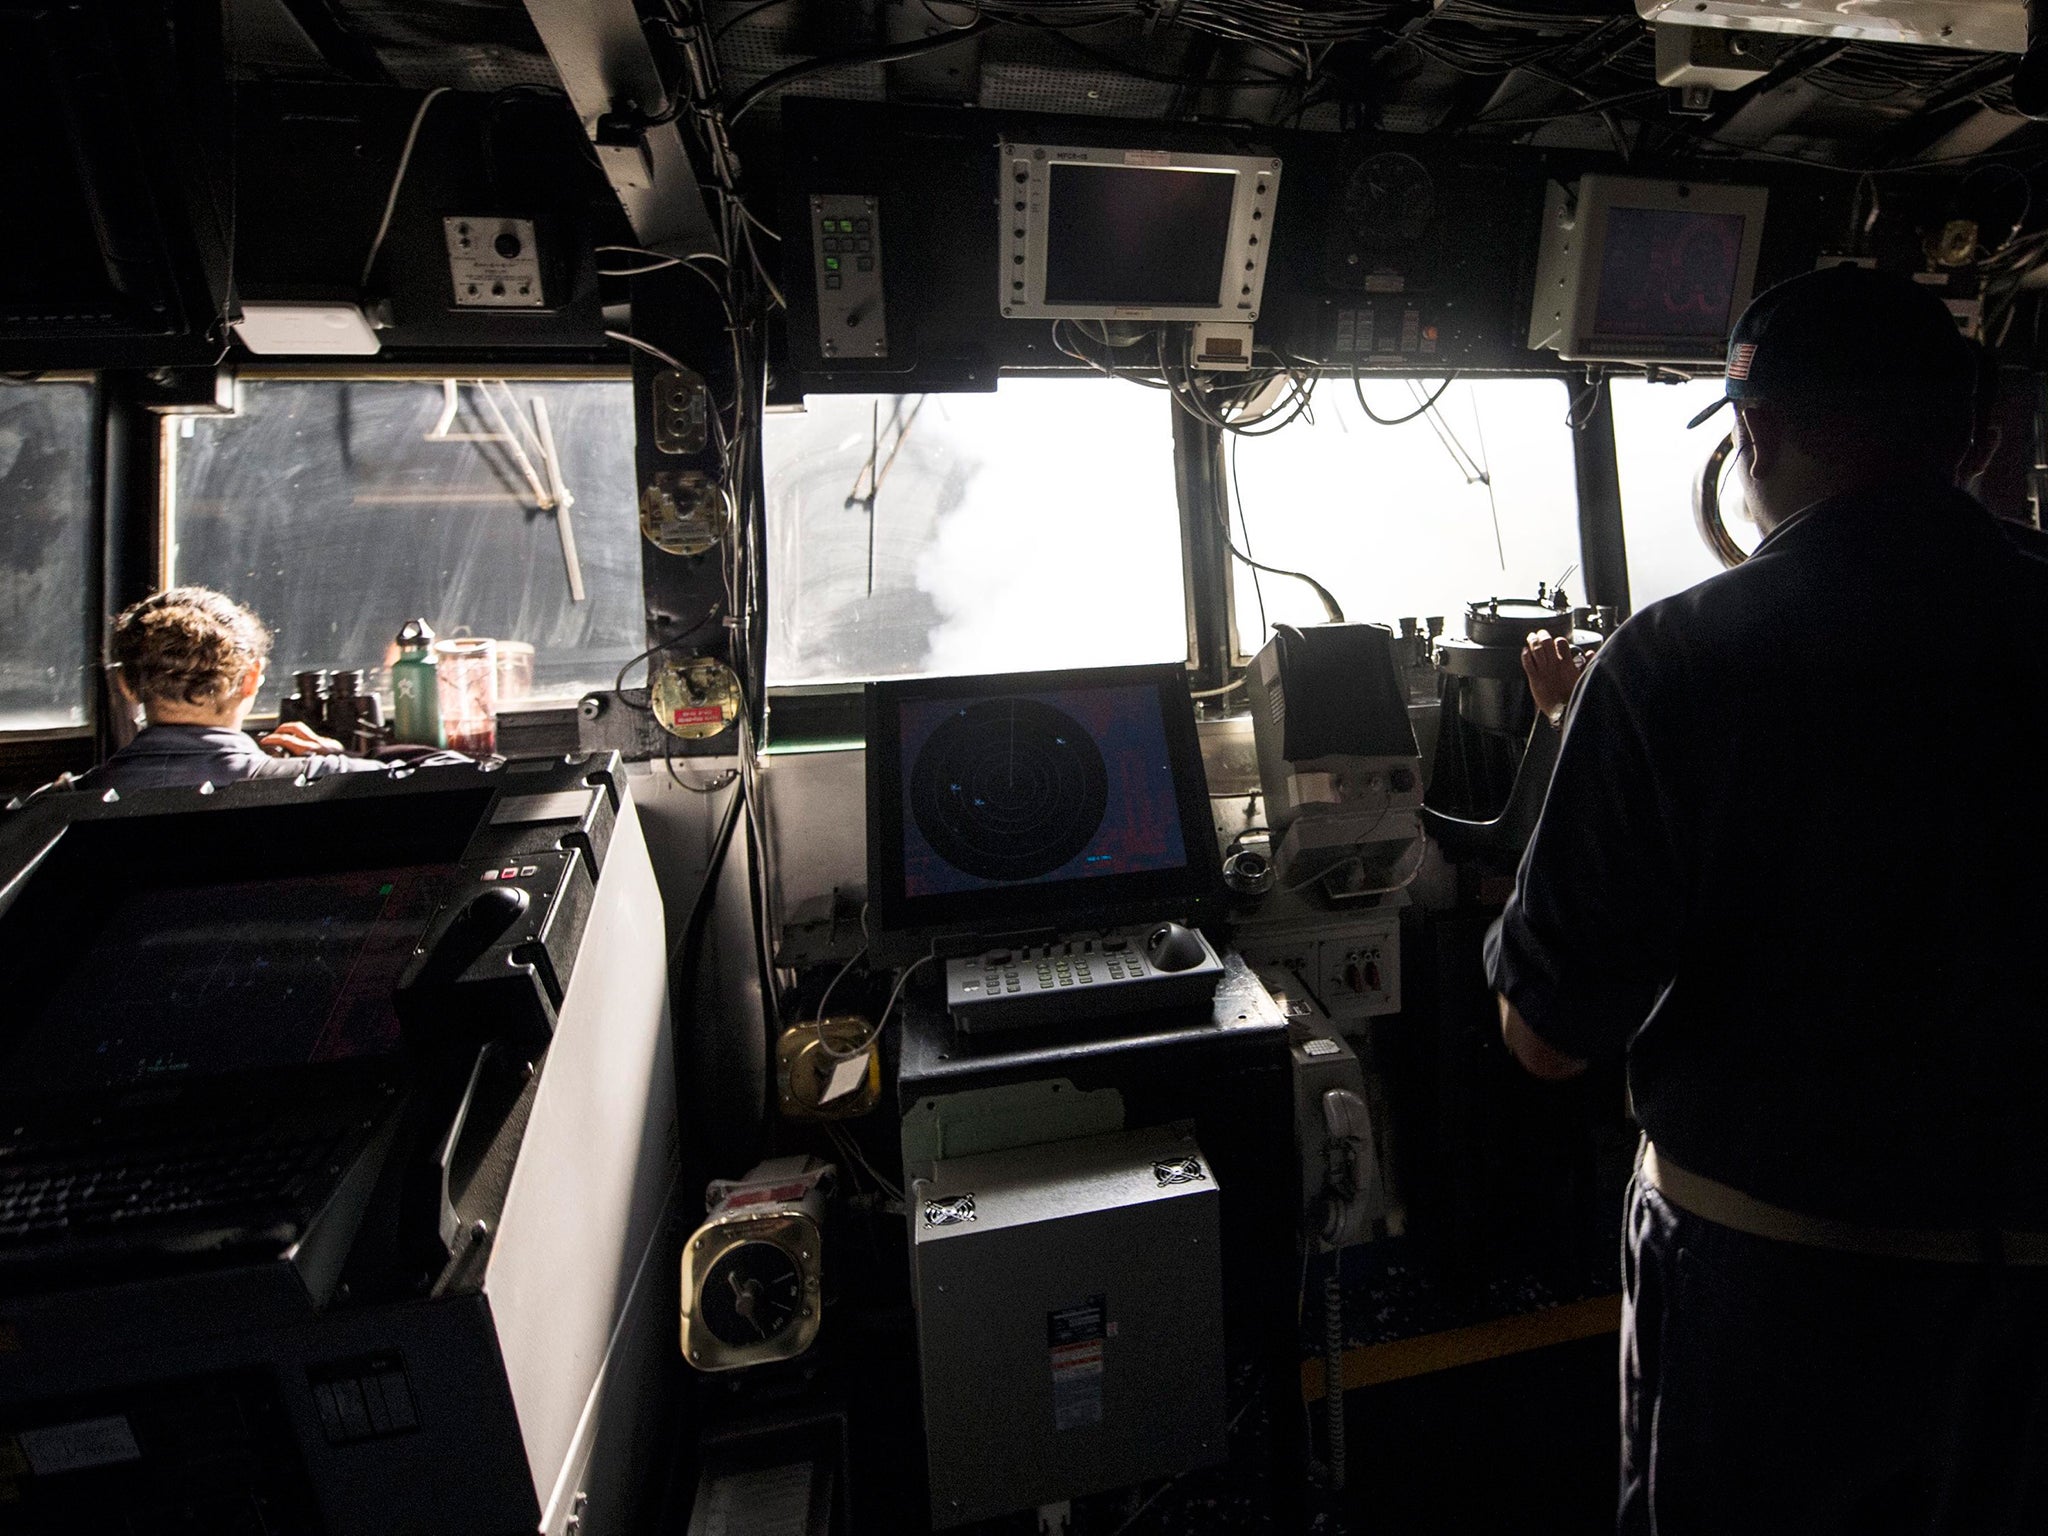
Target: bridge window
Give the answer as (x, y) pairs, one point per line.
(1661, 463)
(949, 534)
(338, 509)
(47, 583)
(1475, 497)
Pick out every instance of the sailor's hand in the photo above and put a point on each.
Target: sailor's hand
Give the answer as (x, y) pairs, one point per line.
(295, 738)
(1553, 669)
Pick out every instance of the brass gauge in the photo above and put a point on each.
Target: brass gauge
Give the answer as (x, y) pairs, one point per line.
(828, 1070)
(683, 512)
(696, 699)
(752, 1272)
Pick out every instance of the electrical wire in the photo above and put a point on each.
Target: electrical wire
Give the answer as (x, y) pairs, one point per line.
(1174, 1482)
(1331, 608)
(692, 930)
(1358, 388)
(891, 53)
(833, 986)
(686, 637)
(724, 780)
(849, 1148)
(646, 346)
(746, 15)
(1244, 524)
(868, 1040)
(412, 135)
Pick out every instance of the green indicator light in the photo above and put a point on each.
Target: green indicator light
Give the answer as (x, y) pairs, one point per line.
(831, 263)
(384, 890)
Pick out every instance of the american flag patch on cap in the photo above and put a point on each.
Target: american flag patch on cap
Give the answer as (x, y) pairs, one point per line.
(1739, 362)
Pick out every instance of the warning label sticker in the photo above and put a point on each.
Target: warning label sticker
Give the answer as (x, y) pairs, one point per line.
(701, 714)
(1075, 1336)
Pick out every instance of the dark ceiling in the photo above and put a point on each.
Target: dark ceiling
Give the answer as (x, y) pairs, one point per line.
(1567, 73)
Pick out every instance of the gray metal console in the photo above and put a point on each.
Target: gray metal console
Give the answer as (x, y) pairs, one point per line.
(492, 1357)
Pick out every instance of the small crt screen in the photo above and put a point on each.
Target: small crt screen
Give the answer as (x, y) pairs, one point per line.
(1037, 788)
(1668, 273)
(1136, 235)
(169, 981)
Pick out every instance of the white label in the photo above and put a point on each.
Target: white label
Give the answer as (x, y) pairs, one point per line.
(88, 1443)
(775, 1501)
(846, 1078)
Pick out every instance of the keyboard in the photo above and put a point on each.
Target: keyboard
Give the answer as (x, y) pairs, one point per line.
(88, 1194)
(108, 1188)
(1071, 981)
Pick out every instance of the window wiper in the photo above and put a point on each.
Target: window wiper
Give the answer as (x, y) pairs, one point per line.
(541, 497)
(563, 500)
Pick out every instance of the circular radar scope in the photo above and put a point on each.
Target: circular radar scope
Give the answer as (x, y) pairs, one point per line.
(1009, 789)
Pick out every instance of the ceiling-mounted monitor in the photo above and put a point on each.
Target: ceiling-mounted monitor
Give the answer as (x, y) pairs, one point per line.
(1637, 271)
(1133, 234)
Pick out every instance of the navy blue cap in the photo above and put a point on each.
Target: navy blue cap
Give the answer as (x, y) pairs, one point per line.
(1845, 337)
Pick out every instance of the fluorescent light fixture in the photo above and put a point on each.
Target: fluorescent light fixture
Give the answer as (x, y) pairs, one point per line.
(307, 330)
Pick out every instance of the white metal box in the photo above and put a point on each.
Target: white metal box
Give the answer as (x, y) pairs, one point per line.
(1069, 1320)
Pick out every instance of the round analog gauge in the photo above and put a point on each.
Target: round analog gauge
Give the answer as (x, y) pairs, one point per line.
(1390, 200)
(683, 513)
(695, 699)
(751, 1295)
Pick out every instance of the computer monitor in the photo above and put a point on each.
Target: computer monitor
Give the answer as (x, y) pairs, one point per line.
(1133, 234)
(1633, 270)
(169, 948)
(1039, 801)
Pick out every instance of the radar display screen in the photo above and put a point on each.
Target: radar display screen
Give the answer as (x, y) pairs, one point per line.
(1033, 796)
(1143, 236)
(1668, 273)
(1062, 786)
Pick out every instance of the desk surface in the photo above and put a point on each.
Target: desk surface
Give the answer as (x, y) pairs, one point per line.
(936, 1056)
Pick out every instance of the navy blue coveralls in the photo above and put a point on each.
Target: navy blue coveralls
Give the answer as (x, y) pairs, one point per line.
(174, 756)
(1791, 862)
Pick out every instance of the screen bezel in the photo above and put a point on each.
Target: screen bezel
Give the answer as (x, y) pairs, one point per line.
(267, 838)
(1598, 196)
(1068, 904)
(1024, 173)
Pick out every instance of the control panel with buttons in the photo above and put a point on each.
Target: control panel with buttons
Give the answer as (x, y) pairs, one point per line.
(1350, 966)
(1361, 974)
(846, 260)
(494, 263)
(1075, 979)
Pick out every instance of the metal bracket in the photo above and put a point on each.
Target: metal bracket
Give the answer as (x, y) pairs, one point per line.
(598, 49)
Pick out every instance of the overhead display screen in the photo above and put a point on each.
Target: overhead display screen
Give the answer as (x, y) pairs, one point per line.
(1143, 236)
(1668, 273)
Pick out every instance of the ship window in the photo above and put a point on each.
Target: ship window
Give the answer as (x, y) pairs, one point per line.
(1661, 463)
(1476, 497)
(952, 534)
(339, 509)
(47, 584)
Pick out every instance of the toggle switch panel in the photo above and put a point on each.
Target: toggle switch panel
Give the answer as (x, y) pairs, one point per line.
(846, 263)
